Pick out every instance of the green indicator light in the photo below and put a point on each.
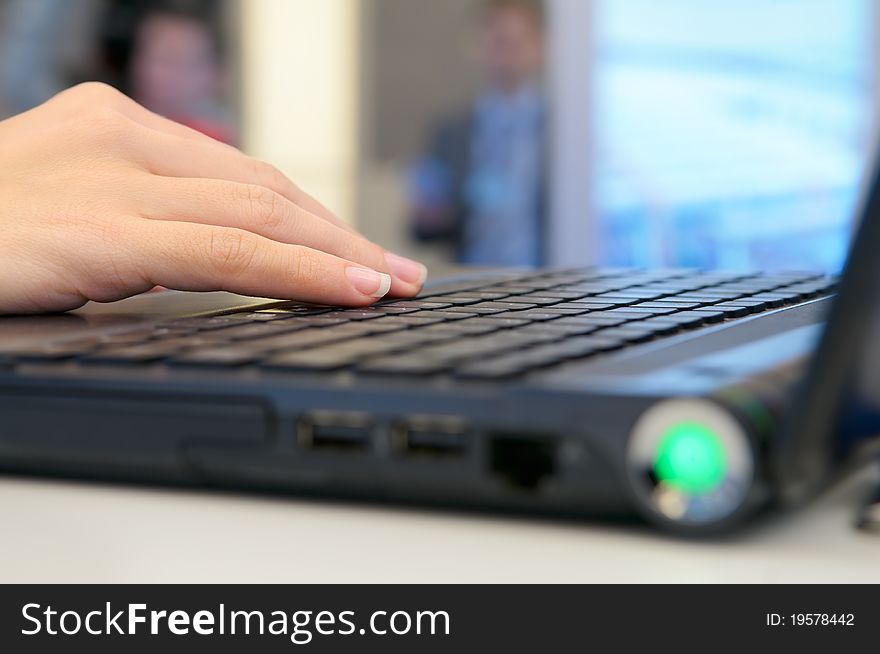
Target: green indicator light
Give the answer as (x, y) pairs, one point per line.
(691, 458)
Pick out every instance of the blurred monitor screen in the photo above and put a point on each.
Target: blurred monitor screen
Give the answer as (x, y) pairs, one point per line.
(730, 135)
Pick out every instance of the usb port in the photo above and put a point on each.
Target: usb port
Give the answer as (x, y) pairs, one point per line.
(439, 437)
(332, 430)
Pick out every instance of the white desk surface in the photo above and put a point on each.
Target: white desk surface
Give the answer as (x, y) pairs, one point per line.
(59, 531)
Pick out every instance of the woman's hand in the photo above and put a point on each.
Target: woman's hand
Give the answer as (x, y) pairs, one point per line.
(101, 199)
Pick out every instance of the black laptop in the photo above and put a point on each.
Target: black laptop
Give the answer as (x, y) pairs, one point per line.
(692, 399)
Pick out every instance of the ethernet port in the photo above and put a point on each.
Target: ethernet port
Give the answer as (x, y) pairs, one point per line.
(523, 460)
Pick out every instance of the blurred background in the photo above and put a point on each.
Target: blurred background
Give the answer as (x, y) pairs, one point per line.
(508, 132)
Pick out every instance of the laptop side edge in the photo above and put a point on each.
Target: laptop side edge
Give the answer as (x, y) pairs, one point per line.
(806, 457)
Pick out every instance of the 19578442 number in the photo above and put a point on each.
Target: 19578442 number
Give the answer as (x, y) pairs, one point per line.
(810, 620)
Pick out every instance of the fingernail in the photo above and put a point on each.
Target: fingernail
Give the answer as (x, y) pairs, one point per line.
(406, 270)
(369, 282)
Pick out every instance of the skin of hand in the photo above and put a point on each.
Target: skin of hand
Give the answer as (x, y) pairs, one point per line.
(101, 199)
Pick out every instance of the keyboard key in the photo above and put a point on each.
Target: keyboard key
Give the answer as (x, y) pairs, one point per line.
(394, 311)
(537, 334)
(734, 309)
(657, 327)
(259, 330)
(308, 362)
(417, 304)
(755, 305)
(147, 353)
(354, 314)
(131, 337)
(623, 314)
(535, 358)
(368, 347)
(473, 297)
(304, 339)
(216, 357)
(519, 289)
(636, 294)
(464, 300)
(692, 319)
(51, 351)
(337, 356)
(597, 342)
(443, 315)
(470, 327)
(475, 348)
(727, 312)
(592, 319)
(628, 334)
(589, 306)
(505, 305)
(720, 293)
(295, 310)
(702, 300)
(322, 320)
(475, 309)
(589, 289)
(567, 350)
(617, 301)
(775, 300)
(193, 341)
(530, 315)
(201, 324)
(501, 368)
(162, 332)
(710, 315)
(372, 327)
(676, 305)
(560, 331)
(567, 294)
(413, 365)
(408, 321)
(532, 300)
(805, 291)
(559, 310)
(260, 316)
(507, 320)
(641, 309)
(454, 288)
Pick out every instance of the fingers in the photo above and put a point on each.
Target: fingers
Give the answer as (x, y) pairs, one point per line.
(265, 212)
(200, 150)
(206, 157)
(196, 257)
(213, 160)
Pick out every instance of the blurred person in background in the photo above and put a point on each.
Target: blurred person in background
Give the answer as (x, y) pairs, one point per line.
(481, 186)
(175, 68)
(166, 54)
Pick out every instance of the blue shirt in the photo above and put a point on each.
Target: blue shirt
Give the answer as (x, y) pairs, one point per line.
(503, 227)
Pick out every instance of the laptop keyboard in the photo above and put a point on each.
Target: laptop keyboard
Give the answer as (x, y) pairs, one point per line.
(485, 329)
